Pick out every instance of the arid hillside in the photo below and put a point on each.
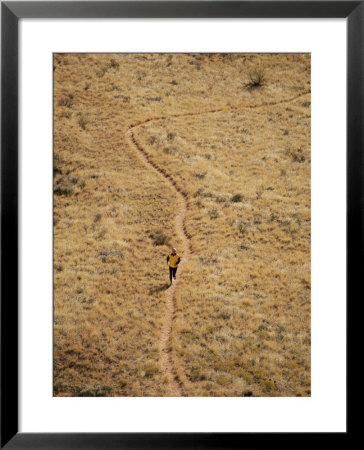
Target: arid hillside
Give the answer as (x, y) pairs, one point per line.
(208, 153)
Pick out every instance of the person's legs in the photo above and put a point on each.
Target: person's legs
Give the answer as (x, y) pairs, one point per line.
(170, 274)
(174, 272)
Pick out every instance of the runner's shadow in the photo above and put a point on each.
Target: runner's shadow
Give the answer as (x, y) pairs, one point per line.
(162, 287)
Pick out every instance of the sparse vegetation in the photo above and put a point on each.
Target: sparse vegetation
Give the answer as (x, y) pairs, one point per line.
(114, 64)
(296, 155)
(66, 101)
(83, 121)
(64, 188)
(237, 198)
(110, 253)
(97, 390)
(257, 78)
(244, 331)
(154, 99)
(159, 238)
(199, 175)
(170, 150)
(214, 213)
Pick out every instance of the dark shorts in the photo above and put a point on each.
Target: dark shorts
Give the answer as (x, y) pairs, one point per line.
(172, 272)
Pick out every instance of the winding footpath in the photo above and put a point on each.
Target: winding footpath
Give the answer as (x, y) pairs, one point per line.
(176, 386)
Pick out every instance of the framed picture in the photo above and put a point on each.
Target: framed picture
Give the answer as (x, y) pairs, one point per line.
(181, 110)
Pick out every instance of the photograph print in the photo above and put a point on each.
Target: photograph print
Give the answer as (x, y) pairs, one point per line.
(182, 225)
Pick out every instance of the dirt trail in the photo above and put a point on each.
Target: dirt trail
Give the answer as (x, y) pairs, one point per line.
(176, 386)
(211, 111)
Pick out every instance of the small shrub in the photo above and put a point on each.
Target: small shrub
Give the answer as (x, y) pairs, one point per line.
(65, 101)
(237, 198)
(268, 385)
(57, 169)
(101, 234)
(214, 213)
(85, 300)
(64, 189)
(170, 150)
(223, 381)
(114, 64)
(256, 78)
(58, 387)
(259, 192)
(150, 370)
(242, 228)
(100, 73)
(199, 175)
(195, 374)
(257, 220)
(198, 193)
(122, 382)
(83, 121)
(171, 136)
(247, 302)
(295, 155)
(110, 252)
(97, 390)
(297, 158)
(66, 115)
(154, 99)
(219, 199)
(224, 315)
(159, 238)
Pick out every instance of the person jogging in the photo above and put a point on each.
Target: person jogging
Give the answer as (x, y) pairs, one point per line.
(173, 260)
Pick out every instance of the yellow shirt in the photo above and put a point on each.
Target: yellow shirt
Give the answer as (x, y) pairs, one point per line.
(173, 260)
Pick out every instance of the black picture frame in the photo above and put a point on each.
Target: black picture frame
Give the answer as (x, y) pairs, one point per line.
(11, 12)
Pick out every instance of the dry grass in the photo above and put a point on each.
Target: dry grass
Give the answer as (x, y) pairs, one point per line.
(242, 326)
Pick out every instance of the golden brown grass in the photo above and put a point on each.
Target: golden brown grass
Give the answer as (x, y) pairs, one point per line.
(242, 324)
